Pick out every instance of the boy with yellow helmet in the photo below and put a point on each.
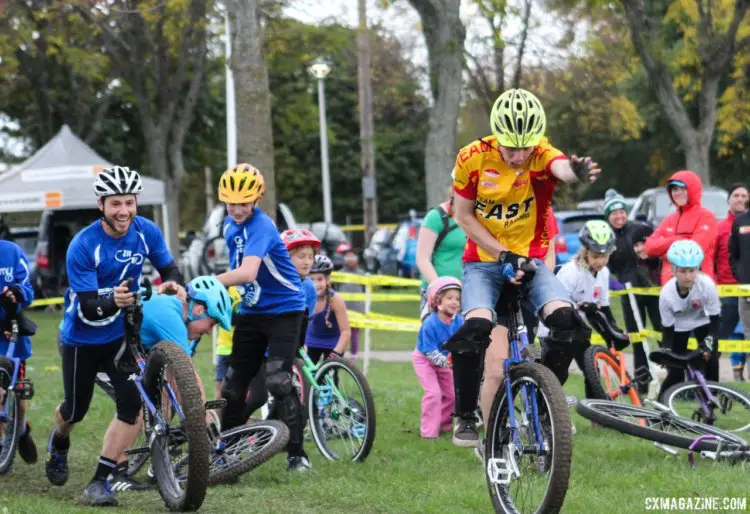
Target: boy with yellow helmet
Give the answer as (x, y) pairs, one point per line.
(272, 307)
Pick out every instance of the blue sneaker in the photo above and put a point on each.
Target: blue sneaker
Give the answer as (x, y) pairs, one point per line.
(99, 494)
(57, 463)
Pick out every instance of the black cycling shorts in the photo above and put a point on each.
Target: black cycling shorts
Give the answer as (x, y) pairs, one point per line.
(80, 364)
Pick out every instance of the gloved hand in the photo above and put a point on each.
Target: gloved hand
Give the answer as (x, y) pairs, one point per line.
(707, 347)
(335, 355)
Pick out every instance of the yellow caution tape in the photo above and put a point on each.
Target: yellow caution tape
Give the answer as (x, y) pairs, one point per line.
(361, 228)
(359, 320)
(47, 301)
(374, 280)
(732, 290)
(380, 297)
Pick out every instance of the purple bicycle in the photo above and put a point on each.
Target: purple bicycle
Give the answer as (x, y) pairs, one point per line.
(703, 400)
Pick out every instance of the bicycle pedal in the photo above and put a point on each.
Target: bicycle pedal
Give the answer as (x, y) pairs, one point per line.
(25, 389)
(325, 396)
(215, 404)
(137, 451)
(499, 471)
(642, 375)
(358, 430)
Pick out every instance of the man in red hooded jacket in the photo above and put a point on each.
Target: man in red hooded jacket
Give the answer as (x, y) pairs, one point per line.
(691, 221)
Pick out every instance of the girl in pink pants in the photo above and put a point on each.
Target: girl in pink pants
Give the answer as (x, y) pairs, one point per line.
(431, 362)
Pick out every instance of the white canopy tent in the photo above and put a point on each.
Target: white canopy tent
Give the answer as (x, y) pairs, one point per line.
(59, 176)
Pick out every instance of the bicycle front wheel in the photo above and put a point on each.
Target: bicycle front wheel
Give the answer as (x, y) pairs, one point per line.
(10, 430)
(526, 475)
(184, 437)
(342, 411)
(661, 427)
(603, 371)
(244, 448)
(731, 410)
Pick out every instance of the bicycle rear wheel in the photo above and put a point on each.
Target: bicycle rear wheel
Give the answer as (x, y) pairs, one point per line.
(184, 439)
(244, 448)
(732, 412)
(529, 479)
(602, 371)
(661, 427)
(342, 411)
(10, 430)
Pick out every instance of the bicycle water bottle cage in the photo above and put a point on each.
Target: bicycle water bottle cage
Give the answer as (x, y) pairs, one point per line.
(25, 389)
(325, 396)
(642, 375)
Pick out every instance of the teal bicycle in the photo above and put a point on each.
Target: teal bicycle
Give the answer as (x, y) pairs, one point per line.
(339, 405)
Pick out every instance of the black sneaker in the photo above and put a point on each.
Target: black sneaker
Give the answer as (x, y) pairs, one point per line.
(298, 463)
(26, 447)
(99, 494)
(121, 482)
(57, 463)
(465, 433)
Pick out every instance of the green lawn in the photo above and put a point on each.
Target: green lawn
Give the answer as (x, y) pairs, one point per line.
(612, 473)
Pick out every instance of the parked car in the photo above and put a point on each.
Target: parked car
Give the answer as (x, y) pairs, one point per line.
(570, 222)
(370, 254)
(56, 231)
(207, 253)
(653, 205)
(598, 205)
(399, 256)
(26, 238)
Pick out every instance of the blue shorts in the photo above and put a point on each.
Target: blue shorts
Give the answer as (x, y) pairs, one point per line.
(222, 365)
(483, 282)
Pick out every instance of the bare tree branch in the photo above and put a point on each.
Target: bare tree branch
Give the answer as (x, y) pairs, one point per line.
(522, 44)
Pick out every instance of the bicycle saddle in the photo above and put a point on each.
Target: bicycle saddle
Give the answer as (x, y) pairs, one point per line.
(26, 327)
(664, 357)
(599, 321)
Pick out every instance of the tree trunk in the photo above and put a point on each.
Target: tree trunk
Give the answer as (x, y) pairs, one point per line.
(366, 130)
(445, 35)
(253, 98)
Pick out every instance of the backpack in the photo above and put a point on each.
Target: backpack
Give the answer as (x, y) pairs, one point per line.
(447, 229)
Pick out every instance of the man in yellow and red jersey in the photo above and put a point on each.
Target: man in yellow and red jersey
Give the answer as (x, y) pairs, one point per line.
(504, 185)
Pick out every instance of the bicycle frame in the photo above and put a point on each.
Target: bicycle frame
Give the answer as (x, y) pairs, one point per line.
(16, 366)
(706, 399)
(625, 383)
(309, 370)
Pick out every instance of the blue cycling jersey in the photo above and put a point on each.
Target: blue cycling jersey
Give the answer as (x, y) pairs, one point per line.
(163, 320)
(311, 295)
(277, 289)
(99, 262)
(14, 271)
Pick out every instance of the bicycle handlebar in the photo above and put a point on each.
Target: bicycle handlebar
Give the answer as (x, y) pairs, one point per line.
(509, 273)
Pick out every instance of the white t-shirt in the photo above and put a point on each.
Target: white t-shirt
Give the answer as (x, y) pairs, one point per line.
(583, 286)
(686, 314)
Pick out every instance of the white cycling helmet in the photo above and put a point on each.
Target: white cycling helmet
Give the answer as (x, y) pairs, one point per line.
(118, 180)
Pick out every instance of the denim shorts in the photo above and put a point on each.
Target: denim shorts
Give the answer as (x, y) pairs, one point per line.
(222, 365)
(483, 282)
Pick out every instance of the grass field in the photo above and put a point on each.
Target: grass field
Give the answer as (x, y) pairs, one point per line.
(612, 473)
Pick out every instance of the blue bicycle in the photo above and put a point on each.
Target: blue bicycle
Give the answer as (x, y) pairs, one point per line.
(13, 389)
(174, 413)
(528, 445)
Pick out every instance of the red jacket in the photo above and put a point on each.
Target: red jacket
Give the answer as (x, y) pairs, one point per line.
(721, 260)
(692, 221)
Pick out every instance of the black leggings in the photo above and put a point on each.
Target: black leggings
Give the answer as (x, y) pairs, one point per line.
(679, 346)
(257, 394)
(80, 364)
(646, 305)
(318, 354)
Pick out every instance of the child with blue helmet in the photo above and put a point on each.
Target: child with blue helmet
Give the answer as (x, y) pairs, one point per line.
(689, 305)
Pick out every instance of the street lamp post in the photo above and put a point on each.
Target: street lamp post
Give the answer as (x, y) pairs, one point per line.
(320, 70)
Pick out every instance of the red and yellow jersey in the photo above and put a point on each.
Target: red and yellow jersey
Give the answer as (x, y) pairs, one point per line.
(513, 204)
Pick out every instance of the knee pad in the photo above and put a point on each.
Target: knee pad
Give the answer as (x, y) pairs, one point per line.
(472, 338)
(231, 388)
(278, 380)
(566, 326)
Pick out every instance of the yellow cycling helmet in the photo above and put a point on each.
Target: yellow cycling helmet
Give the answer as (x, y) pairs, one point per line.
(241, 184)
(517, 119)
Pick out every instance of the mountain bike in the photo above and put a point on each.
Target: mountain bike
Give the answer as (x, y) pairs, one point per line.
(13, 389)
(703, 400)
(528, 447)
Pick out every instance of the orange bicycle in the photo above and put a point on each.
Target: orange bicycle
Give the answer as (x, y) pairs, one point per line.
(604, 368)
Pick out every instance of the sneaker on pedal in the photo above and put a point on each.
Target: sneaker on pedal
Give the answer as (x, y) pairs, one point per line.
(298, 463)
(26, 447)
(56, 467)
(121, 482)
(465, 433)
(99, 494)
